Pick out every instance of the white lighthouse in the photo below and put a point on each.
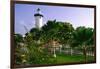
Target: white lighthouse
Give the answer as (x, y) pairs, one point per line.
(38, 19)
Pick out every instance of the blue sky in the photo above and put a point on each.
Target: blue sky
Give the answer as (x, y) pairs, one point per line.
(24, 16)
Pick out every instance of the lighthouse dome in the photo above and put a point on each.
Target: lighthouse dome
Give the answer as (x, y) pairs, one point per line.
(38, 13)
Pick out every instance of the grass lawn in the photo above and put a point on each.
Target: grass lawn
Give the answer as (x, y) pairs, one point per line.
(63, 58)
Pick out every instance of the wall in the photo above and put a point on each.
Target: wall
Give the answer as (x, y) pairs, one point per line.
(5, 34)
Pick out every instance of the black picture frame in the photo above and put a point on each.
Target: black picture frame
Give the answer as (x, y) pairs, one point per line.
(44, 3)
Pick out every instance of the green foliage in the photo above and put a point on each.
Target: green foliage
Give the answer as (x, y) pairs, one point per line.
(83, 35)
(18, 38)
(34, 50)
(57, 30)
(38, 55)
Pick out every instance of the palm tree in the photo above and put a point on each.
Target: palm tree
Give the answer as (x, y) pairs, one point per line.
(81, 37)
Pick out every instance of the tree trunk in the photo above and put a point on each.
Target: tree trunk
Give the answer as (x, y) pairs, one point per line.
(71, 51)
(84, 53)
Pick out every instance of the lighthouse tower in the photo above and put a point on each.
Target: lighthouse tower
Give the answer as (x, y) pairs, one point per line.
(38, 19)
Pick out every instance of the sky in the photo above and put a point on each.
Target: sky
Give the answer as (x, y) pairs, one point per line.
(77, 16)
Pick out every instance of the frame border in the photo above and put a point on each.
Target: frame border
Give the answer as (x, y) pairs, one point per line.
(12, 18)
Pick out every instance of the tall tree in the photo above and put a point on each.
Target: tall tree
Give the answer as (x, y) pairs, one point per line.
(81, 37)
(57, 31)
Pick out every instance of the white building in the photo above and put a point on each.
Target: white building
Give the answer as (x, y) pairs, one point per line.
(38, 19)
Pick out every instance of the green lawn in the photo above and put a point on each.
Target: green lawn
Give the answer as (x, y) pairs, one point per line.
(63, 58)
